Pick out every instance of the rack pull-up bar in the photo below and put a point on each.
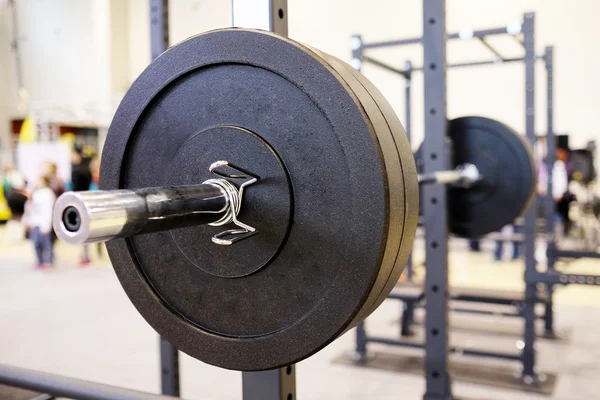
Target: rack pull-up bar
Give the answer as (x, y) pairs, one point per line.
(405, 72)
(464, 34)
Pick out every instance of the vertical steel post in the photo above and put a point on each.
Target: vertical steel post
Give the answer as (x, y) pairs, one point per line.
(407, 316)
(549, 206)
(159, 42)
(438, 385)
(360, 350)
(159, 27)
(408, 127)
(408, 67)
(270, 15)
(408, 308)
(169, 368)
(528, 354)
(278, 384)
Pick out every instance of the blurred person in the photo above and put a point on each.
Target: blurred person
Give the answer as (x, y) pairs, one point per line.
(560, 186)
(563, 168)
(16, 198)
(516, 229)
(81, 180)
(560, 192)
(560, 175)
(95, 170)
(10, 173)
(40, 221)
(474, 245)
(6, 177)
(560, 178)
(50, 170)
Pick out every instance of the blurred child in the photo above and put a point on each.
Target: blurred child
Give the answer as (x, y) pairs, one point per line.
(16, 198)
(95, 170)
(50, 170)
(40, 221)
(81, 180)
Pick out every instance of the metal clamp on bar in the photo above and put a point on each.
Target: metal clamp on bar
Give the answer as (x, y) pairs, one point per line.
(97, 216)
(465, 175)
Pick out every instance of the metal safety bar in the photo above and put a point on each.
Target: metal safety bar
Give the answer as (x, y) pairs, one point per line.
(452, 349)
(556, 253)
(72, 388)
(561, 278)
(404, 72)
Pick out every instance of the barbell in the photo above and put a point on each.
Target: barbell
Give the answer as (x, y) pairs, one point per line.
(259, 197)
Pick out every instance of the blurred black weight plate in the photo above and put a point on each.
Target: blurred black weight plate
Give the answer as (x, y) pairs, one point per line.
(506, 163)
(504, 159)
(322, 207)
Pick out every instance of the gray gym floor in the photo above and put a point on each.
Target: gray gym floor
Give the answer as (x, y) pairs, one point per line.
(78, 322)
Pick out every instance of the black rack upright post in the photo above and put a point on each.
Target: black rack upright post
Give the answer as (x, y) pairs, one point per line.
(277, 384)
(408, 307)
(169, 368)
(408, 67)
(159, 27)
(159, 42)
(438, 385)
(408, 127)
(549, 201)
(528, 353)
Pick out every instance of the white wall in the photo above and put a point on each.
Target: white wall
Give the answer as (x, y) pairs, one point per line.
(119, 46)
(74, 57)
(190, 17)
(186, 18)
(494, 91)
(138, 17)
(7, 86)
(58, 49)
(86, 52)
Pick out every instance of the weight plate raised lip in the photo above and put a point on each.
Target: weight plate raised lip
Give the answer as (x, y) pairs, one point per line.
(392, 142)
(346, 295)
(409, 182)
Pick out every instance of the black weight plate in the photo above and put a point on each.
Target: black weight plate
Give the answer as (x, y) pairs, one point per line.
(396, 190)
(277, 109)
(508, 185)
(395, 141)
